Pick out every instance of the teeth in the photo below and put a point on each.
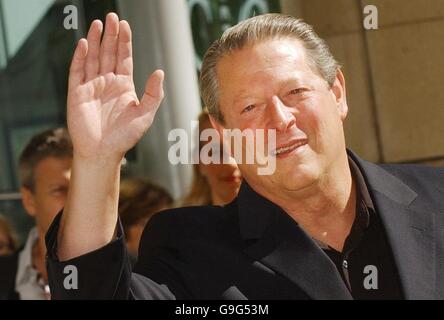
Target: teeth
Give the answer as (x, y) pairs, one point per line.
(285, 149)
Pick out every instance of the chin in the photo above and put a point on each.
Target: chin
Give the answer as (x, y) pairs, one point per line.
(296, 177)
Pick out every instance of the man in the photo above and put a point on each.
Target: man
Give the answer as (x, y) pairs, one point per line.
(325, 225)
(44, 170)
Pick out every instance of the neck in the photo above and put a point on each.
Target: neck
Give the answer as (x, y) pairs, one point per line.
(326, 209)
(218, 199)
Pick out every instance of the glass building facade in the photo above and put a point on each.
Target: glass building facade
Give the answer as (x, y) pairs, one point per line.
(35, 53)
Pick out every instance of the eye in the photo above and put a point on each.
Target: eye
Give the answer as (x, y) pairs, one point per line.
(60, 190)
(296, 91)
(248, 108)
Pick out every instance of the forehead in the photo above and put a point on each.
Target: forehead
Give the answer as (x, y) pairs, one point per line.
(52, 168)
(262, 62)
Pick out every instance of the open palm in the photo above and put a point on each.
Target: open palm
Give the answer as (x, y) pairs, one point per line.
(105, 117)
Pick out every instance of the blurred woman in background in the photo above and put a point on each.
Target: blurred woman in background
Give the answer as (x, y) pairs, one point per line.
(213, 184)
(139, 200)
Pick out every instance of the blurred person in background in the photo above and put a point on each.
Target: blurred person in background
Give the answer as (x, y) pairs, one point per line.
(212, 184)
(44, 170)
(8, 239)
(139, 200)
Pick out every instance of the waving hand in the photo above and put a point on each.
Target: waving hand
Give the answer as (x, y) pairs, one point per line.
(105, 117)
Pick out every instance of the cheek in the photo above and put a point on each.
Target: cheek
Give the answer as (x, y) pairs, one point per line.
(242, 122)
(309, 119)
(51, 206)
(317, 116)
(256, 121)
(59, 203)
(213, 171)
(209, 171)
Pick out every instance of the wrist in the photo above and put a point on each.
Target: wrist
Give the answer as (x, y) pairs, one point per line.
(98, 161)
(95, 173)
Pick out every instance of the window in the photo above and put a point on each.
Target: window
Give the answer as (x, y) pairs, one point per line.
(210, 18)
(35, 53)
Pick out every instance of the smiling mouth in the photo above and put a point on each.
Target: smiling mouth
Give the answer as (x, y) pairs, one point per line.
(289, 147)
(232, 178)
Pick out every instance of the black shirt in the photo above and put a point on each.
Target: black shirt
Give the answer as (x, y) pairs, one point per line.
(366, 263)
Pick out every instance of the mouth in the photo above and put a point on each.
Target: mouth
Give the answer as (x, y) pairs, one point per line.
(232, 178)
(289, 147)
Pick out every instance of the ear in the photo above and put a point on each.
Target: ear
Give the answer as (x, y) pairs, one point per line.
(28, 201)
(217, 125)
(339, 92)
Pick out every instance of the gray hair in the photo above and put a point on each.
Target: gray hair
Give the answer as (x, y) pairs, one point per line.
(259, 28)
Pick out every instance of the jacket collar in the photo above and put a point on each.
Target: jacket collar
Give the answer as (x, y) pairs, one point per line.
(409, 223)
(286, 248)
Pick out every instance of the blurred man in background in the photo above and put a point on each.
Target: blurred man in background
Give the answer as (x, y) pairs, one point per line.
(44, 170)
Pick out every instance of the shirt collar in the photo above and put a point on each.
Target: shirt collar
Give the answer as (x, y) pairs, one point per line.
(364, 203)
(27, 280)
(256, 211)
(360, 184)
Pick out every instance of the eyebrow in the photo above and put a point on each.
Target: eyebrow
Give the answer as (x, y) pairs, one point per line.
(244, 93)
(58, 185)
(291, 80)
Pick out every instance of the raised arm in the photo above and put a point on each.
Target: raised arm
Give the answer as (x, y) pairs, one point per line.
(105, 119)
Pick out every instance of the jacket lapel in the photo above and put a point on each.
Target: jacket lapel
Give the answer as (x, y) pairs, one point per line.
(281, 245)
(409, 225)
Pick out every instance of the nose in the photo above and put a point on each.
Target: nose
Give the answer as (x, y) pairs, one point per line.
(279, 116)
(230, 161)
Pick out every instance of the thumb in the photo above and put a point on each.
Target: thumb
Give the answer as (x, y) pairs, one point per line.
(153, 94)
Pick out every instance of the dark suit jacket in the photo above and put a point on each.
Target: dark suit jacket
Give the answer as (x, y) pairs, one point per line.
(251, 249)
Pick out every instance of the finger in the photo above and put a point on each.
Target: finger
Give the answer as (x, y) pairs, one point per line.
(108, 48)
(124, 64)
(77, 69)
(153, 95)
(92, 58)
